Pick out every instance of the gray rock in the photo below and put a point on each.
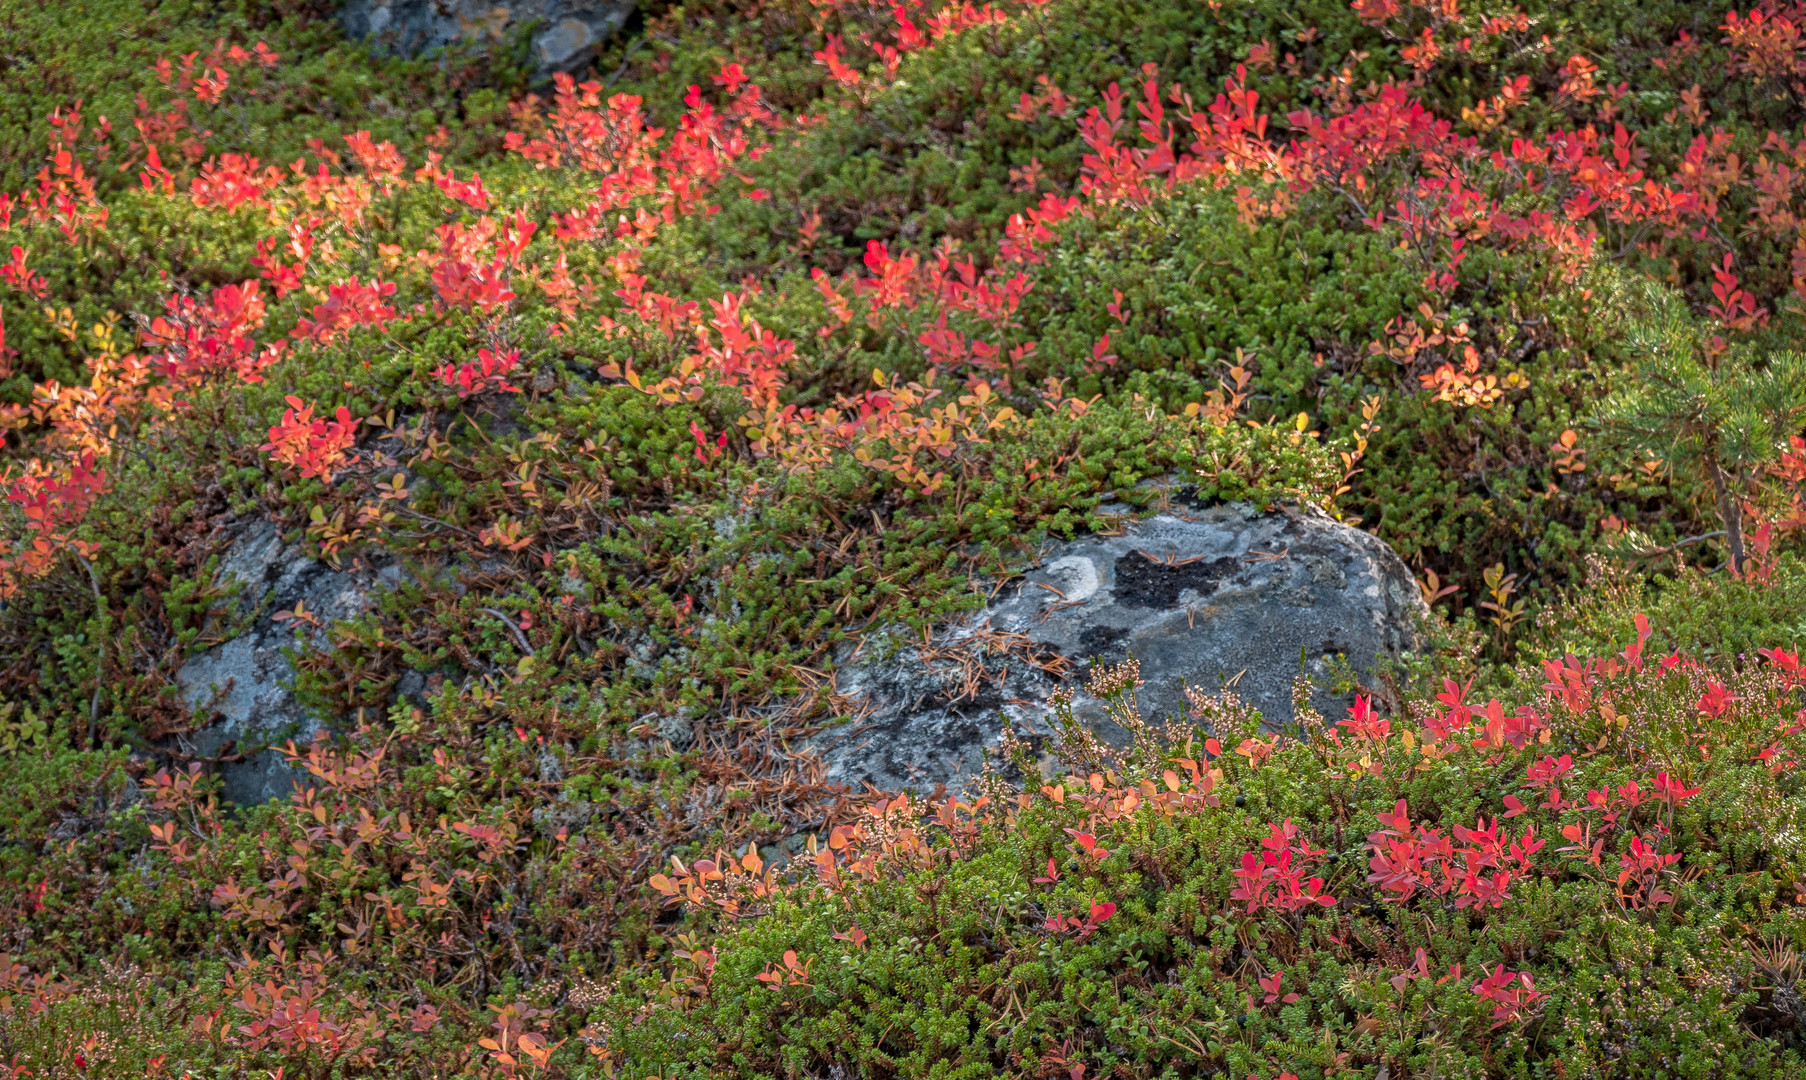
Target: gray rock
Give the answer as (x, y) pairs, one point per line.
(566, 33)
(1219, 597)
(244, 680)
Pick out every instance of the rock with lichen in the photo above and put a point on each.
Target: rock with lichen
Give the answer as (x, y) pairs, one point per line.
(241, 688)
(1207, 598)
(563, 34)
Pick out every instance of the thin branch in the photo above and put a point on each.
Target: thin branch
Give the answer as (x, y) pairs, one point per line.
(417, 515)
(509, 623)
(625, 60)
(1676, 546)
(100, 658)
(1359, 209)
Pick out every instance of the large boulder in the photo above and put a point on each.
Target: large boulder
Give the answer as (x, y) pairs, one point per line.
(566, 33)
(1213, 597)
(242, 685)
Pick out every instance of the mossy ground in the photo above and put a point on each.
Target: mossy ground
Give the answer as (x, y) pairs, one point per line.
(479, 868)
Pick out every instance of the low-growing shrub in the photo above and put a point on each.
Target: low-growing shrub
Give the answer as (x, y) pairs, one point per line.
(1602, 881)
(793, 320)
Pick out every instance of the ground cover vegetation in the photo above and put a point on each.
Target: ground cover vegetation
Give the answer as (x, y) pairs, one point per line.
(795, 319)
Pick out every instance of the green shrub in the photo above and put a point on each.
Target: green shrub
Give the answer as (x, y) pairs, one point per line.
(1703, 614)
(1101, 918)
(595, 571)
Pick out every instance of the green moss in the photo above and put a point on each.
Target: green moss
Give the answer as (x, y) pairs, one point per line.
(955, 971)
(485, 842)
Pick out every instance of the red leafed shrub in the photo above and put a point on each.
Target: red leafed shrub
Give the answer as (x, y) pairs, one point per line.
(1456, 878)
(21, 277)
(488, 372)
(348, 304)
(1768, 42)
(1275, 877)
(819, 342)
(470, 192)
(1513, 995)
(316, 447)
(233, 181)
(53, 503)
(195, 342)
(1096, 917)
(1478, 871)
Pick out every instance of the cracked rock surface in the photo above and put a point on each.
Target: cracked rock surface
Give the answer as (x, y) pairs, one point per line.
(245, 682)
(564, 33)
(1223, 596)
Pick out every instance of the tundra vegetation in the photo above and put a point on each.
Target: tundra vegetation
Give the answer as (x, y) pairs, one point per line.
(796, 318)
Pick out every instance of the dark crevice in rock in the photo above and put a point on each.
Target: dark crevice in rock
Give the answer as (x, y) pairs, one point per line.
(1141, 581)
